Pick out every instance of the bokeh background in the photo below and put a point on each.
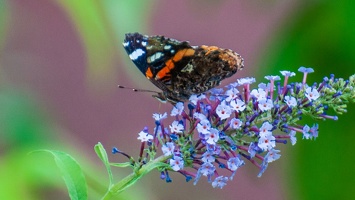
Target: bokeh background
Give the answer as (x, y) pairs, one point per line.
(61, 62)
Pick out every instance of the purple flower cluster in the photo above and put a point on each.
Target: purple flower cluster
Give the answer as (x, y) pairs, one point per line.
(216, 133)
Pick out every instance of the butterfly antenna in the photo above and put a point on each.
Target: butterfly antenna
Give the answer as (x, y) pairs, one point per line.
(137, 90)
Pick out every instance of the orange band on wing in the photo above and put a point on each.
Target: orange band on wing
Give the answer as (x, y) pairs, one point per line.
(209, 48)
(170, 64)
(149, 73)
(183, 53)
(165, 70)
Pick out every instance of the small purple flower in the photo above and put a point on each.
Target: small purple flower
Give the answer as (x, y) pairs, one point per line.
(293, 138)
(232, 85)
(178, 108)
(287, 73)
(267, 142)
(158, 117)
(208, 157)
(247, 80)
(176, 127)
(234, 163)
(252, 149)
(213, 136)
(220, 182)
(194, 98)
(216, 91)
(272, 155)
(265, 129)
(312, 94)
(204, 126)
(214, 149)
(314, 131)
(207, 169)
(168, 148)
(290, 101)
(176, 163)
(273, 78)
(223, 111)
(259, 94)
(231, 94)
(306, 133)
(305, 70)
(263, 86)
(265, 104)
(237, 105)
(235, 123)
(144, 136)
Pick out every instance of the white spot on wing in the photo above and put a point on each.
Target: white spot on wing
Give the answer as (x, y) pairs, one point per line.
(155, 56)
(167, 47)
(125, 44)
(158, 55)
(144, 44)
(136, 53)
(188, 68)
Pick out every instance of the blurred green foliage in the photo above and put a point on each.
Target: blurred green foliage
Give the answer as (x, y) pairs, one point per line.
(127, 16)
(321, 36)
(101, 26)
(23, 129)
(26, 126)
(89, 20)
(3, 21)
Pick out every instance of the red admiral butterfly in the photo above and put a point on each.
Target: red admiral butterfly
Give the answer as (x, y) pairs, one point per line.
(179, 69)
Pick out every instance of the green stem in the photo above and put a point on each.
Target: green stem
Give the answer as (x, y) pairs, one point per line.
(135, 176)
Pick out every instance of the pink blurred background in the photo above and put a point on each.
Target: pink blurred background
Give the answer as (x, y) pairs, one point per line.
(46, 56)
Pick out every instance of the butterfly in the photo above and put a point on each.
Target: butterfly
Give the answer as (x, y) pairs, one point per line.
(178, 69)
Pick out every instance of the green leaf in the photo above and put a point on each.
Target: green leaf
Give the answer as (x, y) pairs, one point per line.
(131, 179)
(101, 153)
(72, 174)
(125, 164)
